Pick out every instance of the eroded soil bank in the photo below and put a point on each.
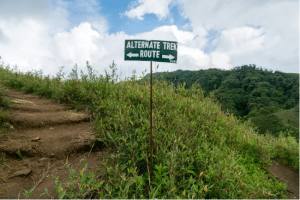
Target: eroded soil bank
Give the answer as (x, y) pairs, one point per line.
(289, 176)
(44, 135)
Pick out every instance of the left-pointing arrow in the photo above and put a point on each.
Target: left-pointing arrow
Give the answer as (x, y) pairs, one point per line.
(132, 55)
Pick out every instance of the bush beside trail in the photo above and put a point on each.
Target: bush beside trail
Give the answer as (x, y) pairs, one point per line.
(4, 105)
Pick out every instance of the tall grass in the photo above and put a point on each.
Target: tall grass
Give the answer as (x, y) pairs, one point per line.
(4, 114)
(199, 151)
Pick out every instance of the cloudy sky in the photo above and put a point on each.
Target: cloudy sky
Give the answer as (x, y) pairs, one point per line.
(47, 34)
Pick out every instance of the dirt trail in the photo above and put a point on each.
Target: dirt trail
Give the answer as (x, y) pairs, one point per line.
(289, 176)
(47, 134)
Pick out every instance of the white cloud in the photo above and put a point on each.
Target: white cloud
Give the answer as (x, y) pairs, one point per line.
(76, 45)
(27, 44)
(87, 11)
(220, 60)
(142, 7)
(24, 9)
(196, 54)
(168, 33)
(240, 40)
(45, 39)
(279, 21)
(194, 59)
(252, 31)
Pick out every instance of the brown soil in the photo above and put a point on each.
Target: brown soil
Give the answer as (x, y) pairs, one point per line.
(47, 134)
(285, 174)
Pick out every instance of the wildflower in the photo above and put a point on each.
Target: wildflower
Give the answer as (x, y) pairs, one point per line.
(205, 188)
(201, 174)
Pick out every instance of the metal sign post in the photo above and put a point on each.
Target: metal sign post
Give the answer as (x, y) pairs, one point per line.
(151, 139)
(151, 50)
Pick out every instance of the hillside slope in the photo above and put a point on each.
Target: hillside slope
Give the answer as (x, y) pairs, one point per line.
(282, 121)
(246, 91)
(290, 117)
(199, 150)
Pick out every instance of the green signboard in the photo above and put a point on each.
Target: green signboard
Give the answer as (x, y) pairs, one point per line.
(151, 50)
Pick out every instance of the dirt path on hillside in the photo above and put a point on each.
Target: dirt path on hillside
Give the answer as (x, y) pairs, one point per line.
(47, 135)
(285, 174)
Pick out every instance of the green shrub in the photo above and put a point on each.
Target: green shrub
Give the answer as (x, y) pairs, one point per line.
(4, 115)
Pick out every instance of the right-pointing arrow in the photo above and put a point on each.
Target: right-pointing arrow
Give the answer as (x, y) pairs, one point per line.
(132, 55)
(168, 56)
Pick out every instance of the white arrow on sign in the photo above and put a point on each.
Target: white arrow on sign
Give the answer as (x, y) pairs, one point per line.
(168, 56)
(132, 55)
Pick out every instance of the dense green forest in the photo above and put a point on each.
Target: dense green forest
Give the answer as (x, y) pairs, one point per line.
(249, 92)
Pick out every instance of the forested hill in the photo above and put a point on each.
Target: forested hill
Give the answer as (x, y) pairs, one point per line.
(246, 91)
